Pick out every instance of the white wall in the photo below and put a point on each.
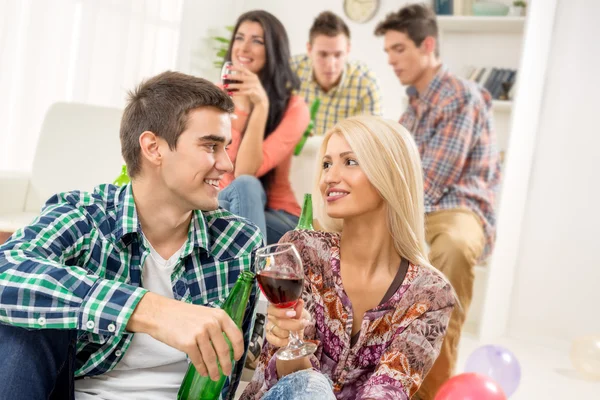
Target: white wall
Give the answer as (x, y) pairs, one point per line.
(83, 51)
(202, 20)
(556, 291)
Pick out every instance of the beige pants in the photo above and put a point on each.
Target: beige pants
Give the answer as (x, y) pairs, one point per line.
(456, 240)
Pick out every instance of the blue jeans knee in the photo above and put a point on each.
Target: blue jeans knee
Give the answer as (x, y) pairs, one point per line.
(37, 364)
(246, 197)
(306, 384)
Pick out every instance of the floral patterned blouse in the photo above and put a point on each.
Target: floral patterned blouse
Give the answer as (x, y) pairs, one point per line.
(399, 339)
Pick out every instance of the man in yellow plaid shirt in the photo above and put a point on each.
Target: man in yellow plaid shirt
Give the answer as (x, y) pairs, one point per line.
(345, 88)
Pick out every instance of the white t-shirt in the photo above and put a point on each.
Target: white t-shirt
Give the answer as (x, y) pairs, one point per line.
(149, 370)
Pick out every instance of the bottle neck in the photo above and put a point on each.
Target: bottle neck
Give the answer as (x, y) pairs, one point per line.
(235, 305)
(305, 221)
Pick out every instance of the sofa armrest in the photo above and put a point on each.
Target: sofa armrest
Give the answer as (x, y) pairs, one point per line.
(13, 191)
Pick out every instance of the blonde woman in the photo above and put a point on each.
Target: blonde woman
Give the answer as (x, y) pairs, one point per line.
(373, 303)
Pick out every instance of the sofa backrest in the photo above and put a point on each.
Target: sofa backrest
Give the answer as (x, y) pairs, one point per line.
(304, 168)
(78, 149)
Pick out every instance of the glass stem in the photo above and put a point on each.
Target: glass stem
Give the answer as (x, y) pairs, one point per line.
(295, 340)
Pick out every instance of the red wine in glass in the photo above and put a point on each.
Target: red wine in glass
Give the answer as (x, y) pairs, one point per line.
(226, 71)
(281, 289)
(228, 81)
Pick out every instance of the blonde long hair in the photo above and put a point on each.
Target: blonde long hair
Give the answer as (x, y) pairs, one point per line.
(389, 157)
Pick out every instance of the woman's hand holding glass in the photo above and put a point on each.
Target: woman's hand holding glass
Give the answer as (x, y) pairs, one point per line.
(283, 320)
(280, 276)
(248, 85)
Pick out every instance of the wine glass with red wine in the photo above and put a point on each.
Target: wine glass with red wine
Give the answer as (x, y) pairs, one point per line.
(226, 71)
(280, 277)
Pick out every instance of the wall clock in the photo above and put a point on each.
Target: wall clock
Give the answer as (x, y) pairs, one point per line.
(361, 10)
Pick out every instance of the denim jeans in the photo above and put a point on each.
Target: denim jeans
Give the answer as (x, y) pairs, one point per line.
(278, 223)
(246, 197)
(37, 364)
(307, 384)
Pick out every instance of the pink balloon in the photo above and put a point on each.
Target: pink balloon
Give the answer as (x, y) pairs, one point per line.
(470, 386)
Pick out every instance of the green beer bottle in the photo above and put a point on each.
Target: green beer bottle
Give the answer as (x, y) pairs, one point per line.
(198, 387)
(306, 217)
(122, 179)
(313, 114)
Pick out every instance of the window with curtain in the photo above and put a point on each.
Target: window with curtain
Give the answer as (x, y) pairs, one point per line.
(84, 51)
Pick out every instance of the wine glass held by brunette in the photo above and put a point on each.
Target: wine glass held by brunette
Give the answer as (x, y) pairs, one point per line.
(228, 77)
(269, 123)
(378, 311)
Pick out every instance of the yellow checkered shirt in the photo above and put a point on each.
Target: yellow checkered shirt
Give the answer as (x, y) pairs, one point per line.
(357, 93)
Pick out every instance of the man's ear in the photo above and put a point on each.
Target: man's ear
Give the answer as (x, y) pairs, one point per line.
(429, 44)
(150, 149)
(308, 48)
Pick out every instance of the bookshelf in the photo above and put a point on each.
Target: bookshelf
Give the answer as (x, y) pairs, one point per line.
(472, 24)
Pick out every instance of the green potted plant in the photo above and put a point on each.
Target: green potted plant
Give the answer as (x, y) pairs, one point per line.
(518, 8)
(222, 44)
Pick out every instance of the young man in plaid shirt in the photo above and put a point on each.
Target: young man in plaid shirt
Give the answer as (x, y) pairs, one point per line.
(345, 88)
(451, 121)
(119, 285)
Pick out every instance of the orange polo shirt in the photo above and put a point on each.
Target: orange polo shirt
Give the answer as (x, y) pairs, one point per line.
(277, 150)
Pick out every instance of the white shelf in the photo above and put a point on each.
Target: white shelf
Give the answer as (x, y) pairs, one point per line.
(502, 105)
(481, 24)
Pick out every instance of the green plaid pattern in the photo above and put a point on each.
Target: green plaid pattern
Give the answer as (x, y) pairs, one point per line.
(357, 93)
(79, 266)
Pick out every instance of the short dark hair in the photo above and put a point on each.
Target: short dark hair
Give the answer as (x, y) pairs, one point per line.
(328, 24)
(161, 105)
(417, 21)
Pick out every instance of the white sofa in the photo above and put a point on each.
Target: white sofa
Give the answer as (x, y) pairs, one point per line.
(305, 167)
(78, 148)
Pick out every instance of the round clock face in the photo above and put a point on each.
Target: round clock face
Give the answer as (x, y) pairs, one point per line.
(360, 10)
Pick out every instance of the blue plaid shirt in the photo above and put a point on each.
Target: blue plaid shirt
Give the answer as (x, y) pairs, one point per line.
(79, 266)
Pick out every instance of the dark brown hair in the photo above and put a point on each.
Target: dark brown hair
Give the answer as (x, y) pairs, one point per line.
(417, 21)
(328, 24)
(161, 105)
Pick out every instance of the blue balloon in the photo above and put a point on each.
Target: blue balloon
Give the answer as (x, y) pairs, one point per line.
(499, 364)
